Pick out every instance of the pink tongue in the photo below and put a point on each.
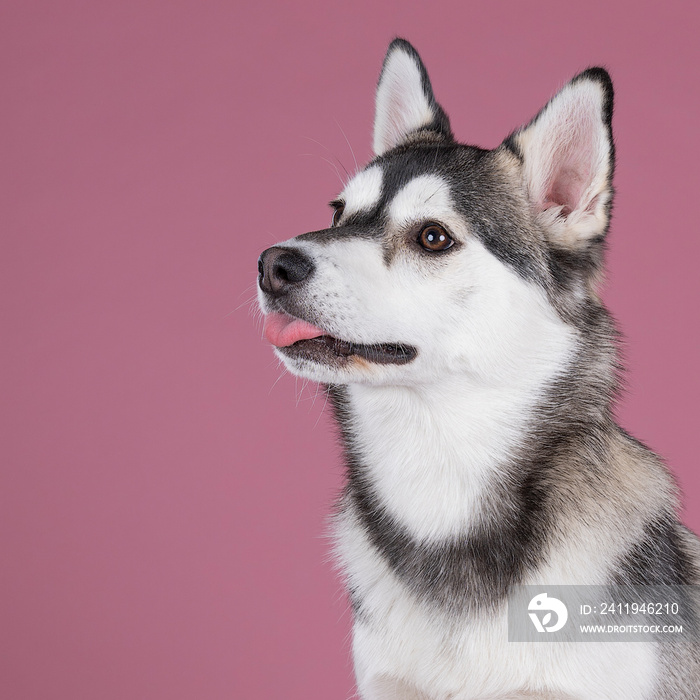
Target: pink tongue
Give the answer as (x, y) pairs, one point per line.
(282, 330)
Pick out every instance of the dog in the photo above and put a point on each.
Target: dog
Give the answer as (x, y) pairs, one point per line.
(452, 312)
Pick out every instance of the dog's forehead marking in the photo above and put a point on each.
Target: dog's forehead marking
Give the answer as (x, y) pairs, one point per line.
(364, 191)
(423, 197)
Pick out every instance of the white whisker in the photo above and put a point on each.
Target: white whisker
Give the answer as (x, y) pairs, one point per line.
(357, 167)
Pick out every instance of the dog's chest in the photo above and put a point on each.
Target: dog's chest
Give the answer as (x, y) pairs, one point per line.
(399, 639)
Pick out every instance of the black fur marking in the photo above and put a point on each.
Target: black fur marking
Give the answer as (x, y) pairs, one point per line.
(659, 558)
(356, 604)
(358, 226)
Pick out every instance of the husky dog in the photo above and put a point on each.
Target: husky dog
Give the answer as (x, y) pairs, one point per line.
(452, 310)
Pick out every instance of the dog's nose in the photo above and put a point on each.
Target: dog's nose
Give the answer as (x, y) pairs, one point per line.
(281, 268)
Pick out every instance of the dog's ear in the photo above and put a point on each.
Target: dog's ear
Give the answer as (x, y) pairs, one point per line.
(568, 160)
(405, 105)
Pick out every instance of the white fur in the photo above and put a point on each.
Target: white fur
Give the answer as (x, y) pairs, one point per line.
(423, 198)
(401, 103)
(363, 192)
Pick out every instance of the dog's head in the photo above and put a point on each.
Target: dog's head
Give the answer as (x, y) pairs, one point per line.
(443, 257)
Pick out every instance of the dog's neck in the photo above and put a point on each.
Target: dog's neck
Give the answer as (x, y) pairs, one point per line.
(453, 484)
(430, 454)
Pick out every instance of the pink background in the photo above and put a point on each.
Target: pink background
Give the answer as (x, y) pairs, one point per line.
(164, 496)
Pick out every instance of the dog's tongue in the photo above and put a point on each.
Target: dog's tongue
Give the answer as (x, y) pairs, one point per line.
(282, 330)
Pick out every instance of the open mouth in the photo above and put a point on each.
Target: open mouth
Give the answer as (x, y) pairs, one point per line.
(299, 339)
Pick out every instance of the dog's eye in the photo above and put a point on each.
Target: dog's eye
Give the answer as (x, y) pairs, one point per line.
(435, 239)
(339, 209)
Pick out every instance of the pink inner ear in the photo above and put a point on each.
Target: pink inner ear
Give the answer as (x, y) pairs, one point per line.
(572, 170)
(565, 191)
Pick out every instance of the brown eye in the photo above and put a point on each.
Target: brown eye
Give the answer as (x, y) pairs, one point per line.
(435, 239)
(339, 209)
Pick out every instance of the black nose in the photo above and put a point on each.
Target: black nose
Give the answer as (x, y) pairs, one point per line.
(281, 268)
